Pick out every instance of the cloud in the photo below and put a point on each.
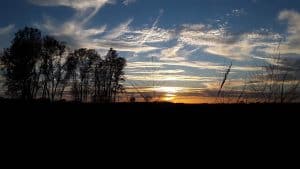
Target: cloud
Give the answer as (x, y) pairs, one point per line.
(7, 29)
(75, 4)
(121, 46)
(170, 78)
(119, 30)
(81, 6)
(75, 27)
(71, 31)
(200, 65)
(152, 29)
(173, 71)
(221, 42)
(148, 35)
(5, 35)
(293, 39)
(76, 32)
(236, 13)
(121, 37)
(127, 2)
(176, 53)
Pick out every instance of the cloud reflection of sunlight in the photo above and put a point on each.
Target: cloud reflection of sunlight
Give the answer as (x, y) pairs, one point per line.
(170, 90)
(169, 93)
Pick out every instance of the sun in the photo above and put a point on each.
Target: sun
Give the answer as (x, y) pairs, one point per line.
(169, 93)
(169, 97)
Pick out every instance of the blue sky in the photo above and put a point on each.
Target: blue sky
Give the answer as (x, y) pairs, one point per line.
(172, 46)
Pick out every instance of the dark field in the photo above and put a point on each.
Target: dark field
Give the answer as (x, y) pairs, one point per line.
(143, 117)
(118, 108)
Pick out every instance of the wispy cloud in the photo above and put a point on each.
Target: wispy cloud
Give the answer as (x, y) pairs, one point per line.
(7, 29)
(152, 29)
(127, 2)
(119, 30)
(82, 7)
(168, 78)
(5, 33)
(200, 65)
(293, 39)
(221, 42)
(123, 37)
(74, 31)
(236, 13)
(75, 4)
(176, 53)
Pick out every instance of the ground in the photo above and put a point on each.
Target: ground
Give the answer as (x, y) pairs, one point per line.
(71, 107)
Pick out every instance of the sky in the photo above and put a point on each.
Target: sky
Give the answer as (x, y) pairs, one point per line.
(177, 48)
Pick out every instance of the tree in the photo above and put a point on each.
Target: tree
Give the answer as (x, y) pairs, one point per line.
(70, 72)
(83, 75)
(52, 67)
(109, 73)
(19, 64)
(41, 67)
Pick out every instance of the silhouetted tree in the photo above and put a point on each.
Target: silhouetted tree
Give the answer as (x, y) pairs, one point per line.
(36, 66)
(109, 73)
(82, 79)
(70, 72)
(52, 67)
(19, 64)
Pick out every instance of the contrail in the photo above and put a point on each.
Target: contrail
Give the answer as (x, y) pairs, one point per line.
(152, 28)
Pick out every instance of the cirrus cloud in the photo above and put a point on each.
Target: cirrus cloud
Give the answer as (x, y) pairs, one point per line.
(5, 34)
(127, 2)
(75, 4)
(221, 42)
(293, 39)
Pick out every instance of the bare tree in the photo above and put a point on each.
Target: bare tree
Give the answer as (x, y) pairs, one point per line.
(69, 67)
(109, 73)
(52, 67)
(19, 64)
(41, 67)
(82, 76)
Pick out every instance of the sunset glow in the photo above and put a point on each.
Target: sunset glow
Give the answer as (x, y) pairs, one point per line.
(169, 93)
(175, 50)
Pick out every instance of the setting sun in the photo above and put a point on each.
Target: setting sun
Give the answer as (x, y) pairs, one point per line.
(169, 93)
(169, 97)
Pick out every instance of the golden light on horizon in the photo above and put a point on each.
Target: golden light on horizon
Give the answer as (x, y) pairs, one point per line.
(173, 94)
(193, 100)
(169, 97)
(169, 93)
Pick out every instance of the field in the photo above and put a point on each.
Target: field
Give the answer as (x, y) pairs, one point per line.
(142, 118)
(72, 107)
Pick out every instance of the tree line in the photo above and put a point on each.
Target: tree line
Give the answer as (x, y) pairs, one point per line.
(42, 67)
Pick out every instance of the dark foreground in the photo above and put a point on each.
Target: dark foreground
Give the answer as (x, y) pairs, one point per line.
(138, 116)
(17, 106)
